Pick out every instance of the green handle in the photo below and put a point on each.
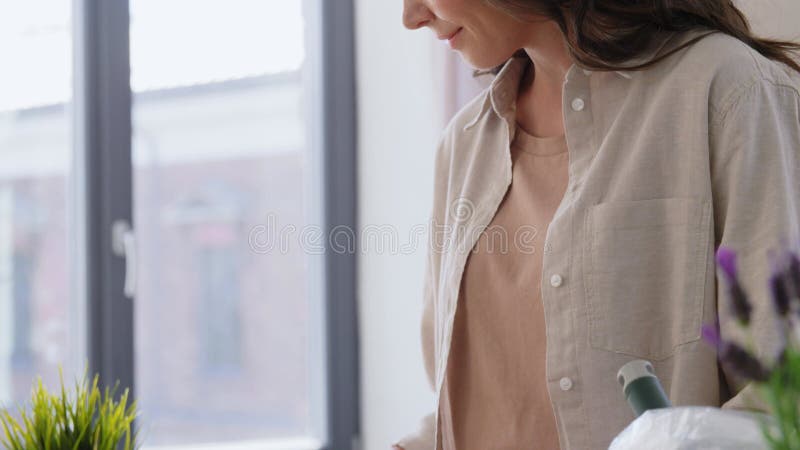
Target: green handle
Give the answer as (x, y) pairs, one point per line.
(641, 387)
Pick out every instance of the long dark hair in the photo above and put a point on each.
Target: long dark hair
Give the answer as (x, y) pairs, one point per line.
(601, 34)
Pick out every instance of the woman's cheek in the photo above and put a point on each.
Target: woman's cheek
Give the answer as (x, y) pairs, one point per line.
(452, 10)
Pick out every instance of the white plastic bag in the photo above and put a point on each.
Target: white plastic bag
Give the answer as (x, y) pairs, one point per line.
(695, 428)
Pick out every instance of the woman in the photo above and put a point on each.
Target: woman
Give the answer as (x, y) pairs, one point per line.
(619, 145)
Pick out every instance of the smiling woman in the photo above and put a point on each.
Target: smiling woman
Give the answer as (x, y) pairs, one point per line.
(633, 141)
(477, 23)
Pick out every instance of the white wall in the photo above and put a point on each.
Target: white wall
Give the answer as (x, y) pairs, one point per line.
(778, 19)
(402, 108)
(400, 114)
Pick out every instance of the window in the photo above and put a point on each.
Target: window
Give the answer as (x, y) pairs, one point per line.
(21, 349)
(221, 313)
(141, 171)
(41, 317)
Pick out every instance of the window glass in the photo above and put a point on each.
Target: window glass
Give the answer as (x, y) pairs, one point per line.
(223, 350)
(41, 317)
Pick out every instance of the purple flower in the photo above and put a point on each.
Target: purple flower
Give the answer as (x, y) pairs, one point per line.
(780, 295)
(733, 356)
(726, 258)
(793, 273)
(710, 334)
(741, 306)
(742, 363)
(784, 281)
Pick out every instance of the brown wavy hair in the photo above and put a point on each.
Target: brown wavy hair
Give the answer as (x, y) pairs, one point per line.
(601, 34)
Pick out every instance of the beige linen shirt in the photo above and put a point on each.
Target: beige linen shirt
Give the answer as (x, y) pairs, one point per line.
(495, 391)
(666, 164)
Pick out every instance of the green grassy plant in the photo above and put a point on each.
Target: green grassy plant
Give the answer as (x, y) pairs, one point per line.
(84, 418)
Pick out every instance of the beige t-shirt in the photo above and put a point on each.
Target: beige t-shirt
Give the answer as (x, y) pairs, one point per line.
(495, 392)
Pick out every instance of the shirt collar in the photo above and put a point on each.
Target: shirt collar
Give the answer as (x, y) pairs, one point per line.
(501, 94)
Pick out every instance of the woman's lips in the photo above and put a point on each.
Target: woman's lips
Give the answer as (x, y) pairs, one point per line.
(451, 39)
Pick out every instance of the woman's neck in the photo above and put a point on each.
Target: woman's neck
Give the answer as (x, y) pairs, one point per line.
(540, 93)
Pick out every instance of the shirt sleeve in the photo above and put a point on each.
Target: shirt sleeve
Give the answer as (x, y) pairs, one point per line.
(755, 160)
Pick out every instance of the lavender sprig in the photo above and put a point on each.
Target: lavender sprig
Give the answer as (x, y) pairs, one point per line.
(741, 362)
(710, 334)
(780, 282)
(734, 356)
(793, 274)
(780, 294)
(779, 383)
(726, 258)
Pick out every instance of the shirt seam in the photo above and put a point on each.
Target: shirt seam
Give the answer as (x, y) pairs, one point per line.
(733, 100)
(718, 125)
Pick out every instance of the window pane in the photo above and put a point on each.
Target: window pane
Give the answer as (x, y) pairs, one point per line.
(41, 318)
(223, 345)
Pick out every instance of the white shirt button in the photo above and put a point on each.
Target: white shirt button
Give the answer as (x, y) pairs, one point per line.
(565, 383)
(577, 104)
(556, 280)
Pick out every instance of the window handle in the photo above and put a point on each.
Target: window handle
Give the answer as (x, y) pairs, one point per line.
(123, 243)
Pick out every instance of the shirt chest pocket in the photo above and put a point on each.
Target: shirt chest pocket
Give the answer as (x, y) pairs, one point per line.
(644, 275)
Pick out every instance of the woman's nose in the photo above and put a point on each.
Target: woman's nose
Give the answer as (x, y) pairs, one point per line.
(416, 14)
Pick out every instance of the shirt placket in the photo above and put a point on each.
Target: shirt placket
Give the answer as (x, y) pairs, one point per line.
(483, 214)
(560, 297)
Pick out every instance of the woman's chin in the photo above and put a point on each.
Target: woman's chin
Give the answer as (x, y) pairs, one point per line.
(481, 62)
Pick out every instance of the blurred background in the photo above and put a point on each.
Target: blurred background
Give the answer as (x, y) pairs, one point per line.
(167, 168)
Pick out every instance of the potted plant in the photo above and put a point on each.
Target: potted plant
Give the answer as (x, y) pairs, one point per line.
(82, 418)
